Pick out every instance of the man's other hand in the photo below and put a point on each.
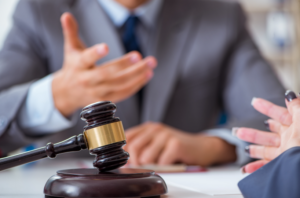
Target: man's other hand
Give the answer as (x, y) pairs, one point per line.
(156, 143)
(80, 82)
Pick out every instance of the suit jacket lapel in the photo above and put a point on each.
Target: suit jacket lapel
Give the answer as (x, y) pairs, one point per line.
(170, 44)
(96, 27)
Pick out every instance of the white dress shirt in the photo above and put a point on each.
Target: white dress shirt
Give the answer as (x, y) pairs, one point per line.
(39, 115)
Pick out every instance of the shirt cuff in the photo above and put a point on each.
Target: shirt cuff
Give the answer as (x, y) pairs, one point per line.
(225, 134)
(38, 114)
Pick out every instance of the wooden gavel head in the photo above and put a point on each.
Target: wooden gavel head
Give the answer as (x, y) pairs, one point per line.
(104, 135)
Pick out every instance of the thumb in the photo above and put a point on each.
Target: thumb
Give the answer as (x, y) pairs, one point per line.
(70, 31)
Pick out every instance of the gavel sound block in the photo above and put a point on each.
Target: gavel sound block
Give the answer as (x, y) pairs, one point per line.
(104, 137)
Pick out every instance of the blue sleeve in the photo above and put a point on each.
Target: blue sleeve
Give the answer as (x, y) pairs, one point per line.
(38, 115)
(225, 134)
(278, 179)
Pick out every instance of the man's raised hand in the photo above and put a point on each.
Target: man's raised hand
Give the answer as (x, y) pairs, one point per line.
(80, 82)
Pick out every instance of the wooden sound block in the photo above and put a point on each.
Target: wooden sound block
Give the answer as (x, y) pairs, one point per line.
(124, 182)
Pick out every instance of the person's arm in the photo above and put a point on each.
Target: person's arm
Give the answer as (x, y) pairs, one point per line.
(157, 143)
(225, 134)
(38, 115)
(277, 173)
(78, 83)
(279, 178)
(22, 60)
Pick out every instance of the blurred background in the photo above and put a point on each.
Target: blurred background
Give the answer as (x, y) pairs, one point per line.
(274, 24)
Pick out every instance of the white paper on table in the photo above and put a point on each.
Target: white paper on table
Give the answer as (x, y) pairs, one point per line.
(216, 181)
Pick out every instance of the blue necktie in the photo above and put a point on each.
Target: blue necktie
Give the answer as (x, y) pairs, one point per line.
(129, 37)
(131, 43)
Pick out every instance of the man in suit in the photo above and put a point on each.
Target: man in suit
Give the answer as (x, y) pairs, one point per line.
(205, 60)
(277, 173)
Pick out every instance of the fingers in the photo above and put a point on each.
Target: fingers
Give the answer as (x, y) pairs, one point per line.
(263, 152)
(276, 127)
(87, 57)
(170, 153)
(152, 152)
(137, 145)
(139, 68)
(134, 131)
(129, 88)
(70, 31)
(258, 137)
(253, 166)
(117, 78)
(91, 55)
(278, 113)
(135, 70)
(123, 62)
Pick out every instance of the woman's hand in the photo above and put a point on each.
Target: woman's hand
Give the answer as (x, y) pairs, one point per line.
(285, 128)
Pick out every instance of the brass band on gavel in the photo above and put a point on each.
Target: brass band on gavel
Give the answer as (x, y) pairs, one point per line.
(104, 135)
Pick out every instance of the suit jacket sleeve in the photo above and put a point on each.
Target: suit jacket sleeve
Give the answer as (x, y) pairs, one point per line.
(246, 75)
(279, 178)
(22, 61)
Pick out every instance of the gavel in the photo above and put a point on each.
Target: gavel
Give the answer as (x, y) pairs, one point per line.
(103, 135)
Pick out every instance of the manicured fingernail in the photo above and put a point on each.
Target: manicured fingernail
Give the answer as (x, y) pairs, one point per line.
(290, 95)
(247, 150)
(253, 100)
(234, 131)
(135, 58)
(266, 122)
(243, 170)
(151, 63)
(102, 50)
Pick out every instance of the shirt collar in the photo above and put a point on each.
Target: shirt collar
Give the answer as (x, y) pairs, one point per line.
(147, 12)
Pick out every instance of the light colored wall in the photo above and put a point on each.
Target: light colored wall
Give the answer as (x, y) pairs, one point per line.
(6, 10)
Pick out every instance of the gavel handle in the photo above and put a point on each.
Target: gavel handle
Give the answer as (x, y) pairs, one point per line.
(75, 143)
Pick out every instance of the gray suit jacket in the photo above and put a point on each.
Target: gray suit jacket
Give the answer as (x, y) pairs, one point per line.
(207, 62)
